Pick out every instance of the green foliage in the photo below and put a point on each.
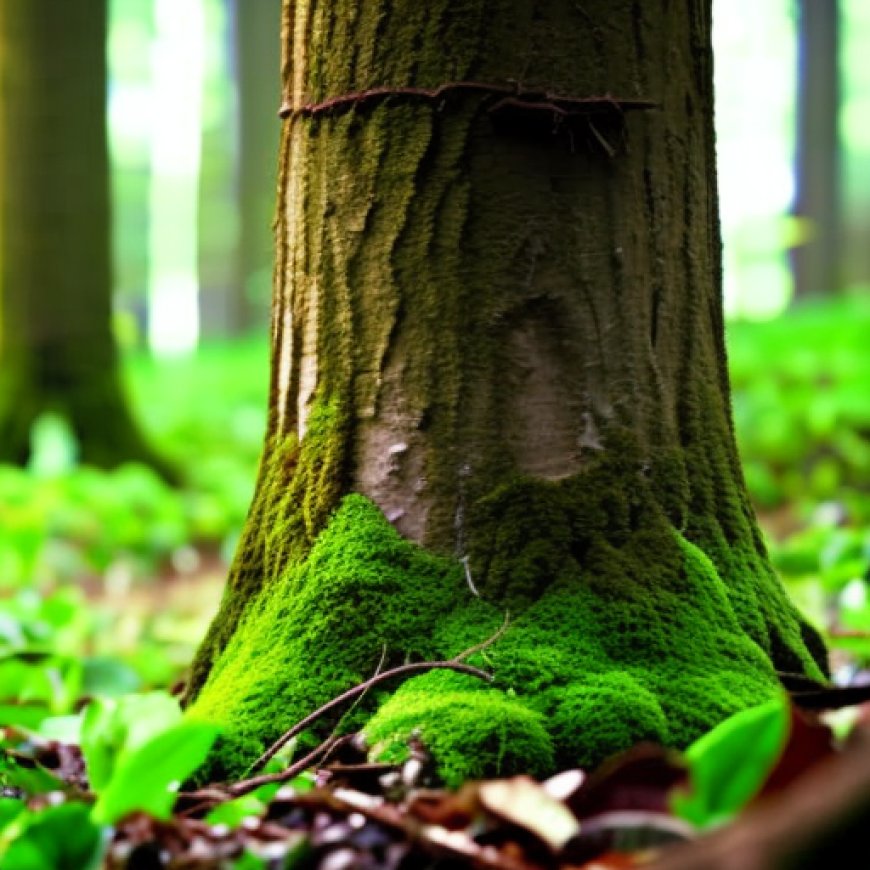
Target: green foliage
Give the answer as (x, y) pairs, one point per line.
(802, 414)
(111, 728)
(48, 660)
(206, 414)
(137, 750)
(233, 813)
(87, 522)
(801, 404)
(729, 764)
(147, 777)
(58, 837)
(59, 647)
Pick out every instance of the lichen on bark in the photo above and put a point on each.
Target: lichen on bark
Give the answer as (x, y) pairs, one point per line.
(503, 346)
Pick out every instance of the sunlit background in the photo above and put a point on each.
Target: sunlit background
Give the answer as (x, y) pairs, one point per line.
(176, 100)
(182, 73)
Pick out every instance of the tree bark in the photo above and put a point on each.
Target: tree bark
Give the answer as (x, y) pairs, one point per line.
(497, 317)
(57, 351)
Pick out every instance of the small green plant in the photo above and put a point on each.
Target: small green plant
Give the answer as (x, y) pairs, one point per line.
(138, 751)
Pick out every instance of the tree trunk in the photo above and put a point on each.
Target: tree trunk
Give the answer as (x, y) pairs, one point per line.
(56, 346)
(816, 263)
(497, 326)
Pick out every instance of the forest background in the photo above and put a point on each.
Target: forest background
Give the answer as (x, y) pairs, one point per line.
(109, 577)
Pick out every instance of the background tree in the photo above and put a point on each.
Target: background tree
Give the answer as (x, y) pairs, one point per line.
(256, 53)
(498, 341)
(57, 351)
(817, 262)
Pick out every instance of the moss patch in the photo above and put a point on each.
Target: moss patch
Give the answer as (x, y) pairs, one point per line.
(320, 627)
(632, 636)
(471, 731)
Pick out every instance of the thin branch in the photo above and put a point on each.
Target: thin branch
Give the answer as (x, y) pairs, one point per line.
(401, 671)
(353, 706)
(248, 785)
(325, 749)
(365, 691)
(536, 99)
(468, 579)
(479, 647)
(454, 664)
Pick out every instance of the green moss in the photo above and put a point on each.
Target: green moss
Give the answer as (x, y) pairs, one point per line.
(299, 486)
(321, 626)
(471, 731)
(622, 630)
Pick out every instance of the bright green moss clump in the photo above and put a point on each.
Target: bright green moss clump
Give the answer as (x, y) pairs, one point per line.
(631, 637)
(321, 626)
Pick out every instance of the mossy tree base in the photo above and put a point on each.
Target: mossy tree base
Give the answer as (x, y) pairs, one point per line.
(639, 641)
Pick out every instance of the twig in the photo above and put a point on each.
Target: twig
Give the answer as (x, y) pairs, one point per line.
(248, 785)
(354, 705)
(530, 98)
(402, 670)
(479, 647)
(454, 664)
(468, 579)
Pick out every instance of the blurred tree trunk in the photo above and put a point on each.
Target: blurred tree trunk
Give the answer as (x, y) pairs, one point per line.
(498, 341)
(258, 59)
(816, 263)
(57, 352)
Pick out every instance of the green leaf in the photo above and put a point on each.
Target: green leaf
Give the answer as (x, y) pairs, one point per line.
(112, 727)
(61, 838)
(108, 676)
(99, 741)
(143, 716)
(23, 715)
(233, 813)
(148, 777)
(10, 810)
(65, 729)
(249, 861)
(729, 764)
(31, 778)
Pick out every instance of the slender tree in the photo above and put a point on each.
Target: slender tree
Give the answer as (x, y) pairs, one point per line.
(56, 346)
(256, 46)
(499, 384)
(816, 263)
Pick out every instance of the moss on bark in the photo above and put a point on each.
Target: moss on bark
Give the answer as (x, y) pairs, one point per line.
(508, 338)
